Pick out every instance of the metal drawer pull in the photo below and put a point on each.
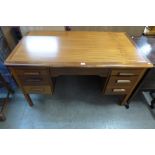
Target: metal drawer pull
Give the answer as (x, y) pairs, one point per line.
(31, 73)
(123, 81)
(118, 90)
(126, 74)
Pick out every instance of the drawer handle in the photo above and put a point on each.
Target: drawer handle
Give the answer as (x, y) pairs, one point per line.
(123, 81)
(36, 89)
(118, 90)
(31, 73)
(33, 80)
(126, 74)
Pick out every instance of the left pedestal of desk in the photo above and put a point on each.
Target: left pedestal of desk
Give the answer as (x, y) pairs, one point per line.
(33, 80)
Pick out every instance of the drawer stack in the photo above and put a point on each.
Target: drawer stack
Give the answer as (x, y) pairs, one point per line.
(34, 80)
(122, 81)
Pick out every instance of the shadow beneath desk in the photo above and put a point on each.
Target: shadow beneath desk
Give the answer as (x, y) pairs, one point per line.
(87, 89)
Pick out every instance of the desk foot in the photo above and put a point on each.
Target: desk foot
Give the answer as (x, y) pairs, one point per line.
(27, 96)
(127, 106)
(2, 117)
(152, 104)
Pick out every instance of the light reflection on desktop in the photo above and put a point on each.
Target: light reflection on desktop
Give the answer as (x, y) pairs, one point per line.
(42, 46)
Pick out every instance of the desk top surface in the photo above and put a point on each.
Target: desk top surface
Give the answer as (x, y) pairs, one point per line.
(77, 49)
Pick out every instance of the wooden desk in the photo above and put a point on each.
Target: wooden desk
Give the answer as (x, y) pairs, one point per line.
(42, 55)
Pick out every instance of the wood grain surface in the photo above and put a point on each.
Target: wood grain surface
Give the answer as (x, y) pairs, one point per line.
(77, 49)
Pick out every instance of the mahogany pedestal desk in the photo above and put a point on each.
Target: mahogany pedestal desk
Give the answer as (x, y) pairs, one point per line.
(39, 56)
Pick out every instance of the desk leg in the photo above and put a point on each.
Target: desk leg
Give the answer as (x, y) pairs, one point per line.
(27, 96)
(126, 99)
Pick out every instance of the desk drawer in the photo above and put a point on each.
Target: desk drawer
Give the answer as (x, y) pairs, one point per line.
(37, 89)
(122, 80)
(126, 72)
(31, 71)
(103, 72)
(34, 80)
(117, 90)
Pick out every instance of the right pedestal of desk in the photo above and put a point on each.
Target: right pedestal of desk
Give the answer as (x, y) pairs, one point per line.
(123, 82)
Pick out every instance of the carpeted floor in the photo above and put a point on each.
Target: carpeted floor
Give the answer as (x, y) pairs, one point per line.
(77, 102)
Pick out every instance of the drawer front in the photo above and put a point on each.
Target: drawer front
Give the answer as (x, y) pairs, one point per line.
(122, 80)
(32, 71)
(34, 80)
(79, 71)
(126, 72)
(117, 90)
(37, 89)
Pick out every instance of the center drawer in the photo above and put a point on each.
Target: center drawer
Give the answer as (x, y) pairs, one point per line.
(103, 72)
